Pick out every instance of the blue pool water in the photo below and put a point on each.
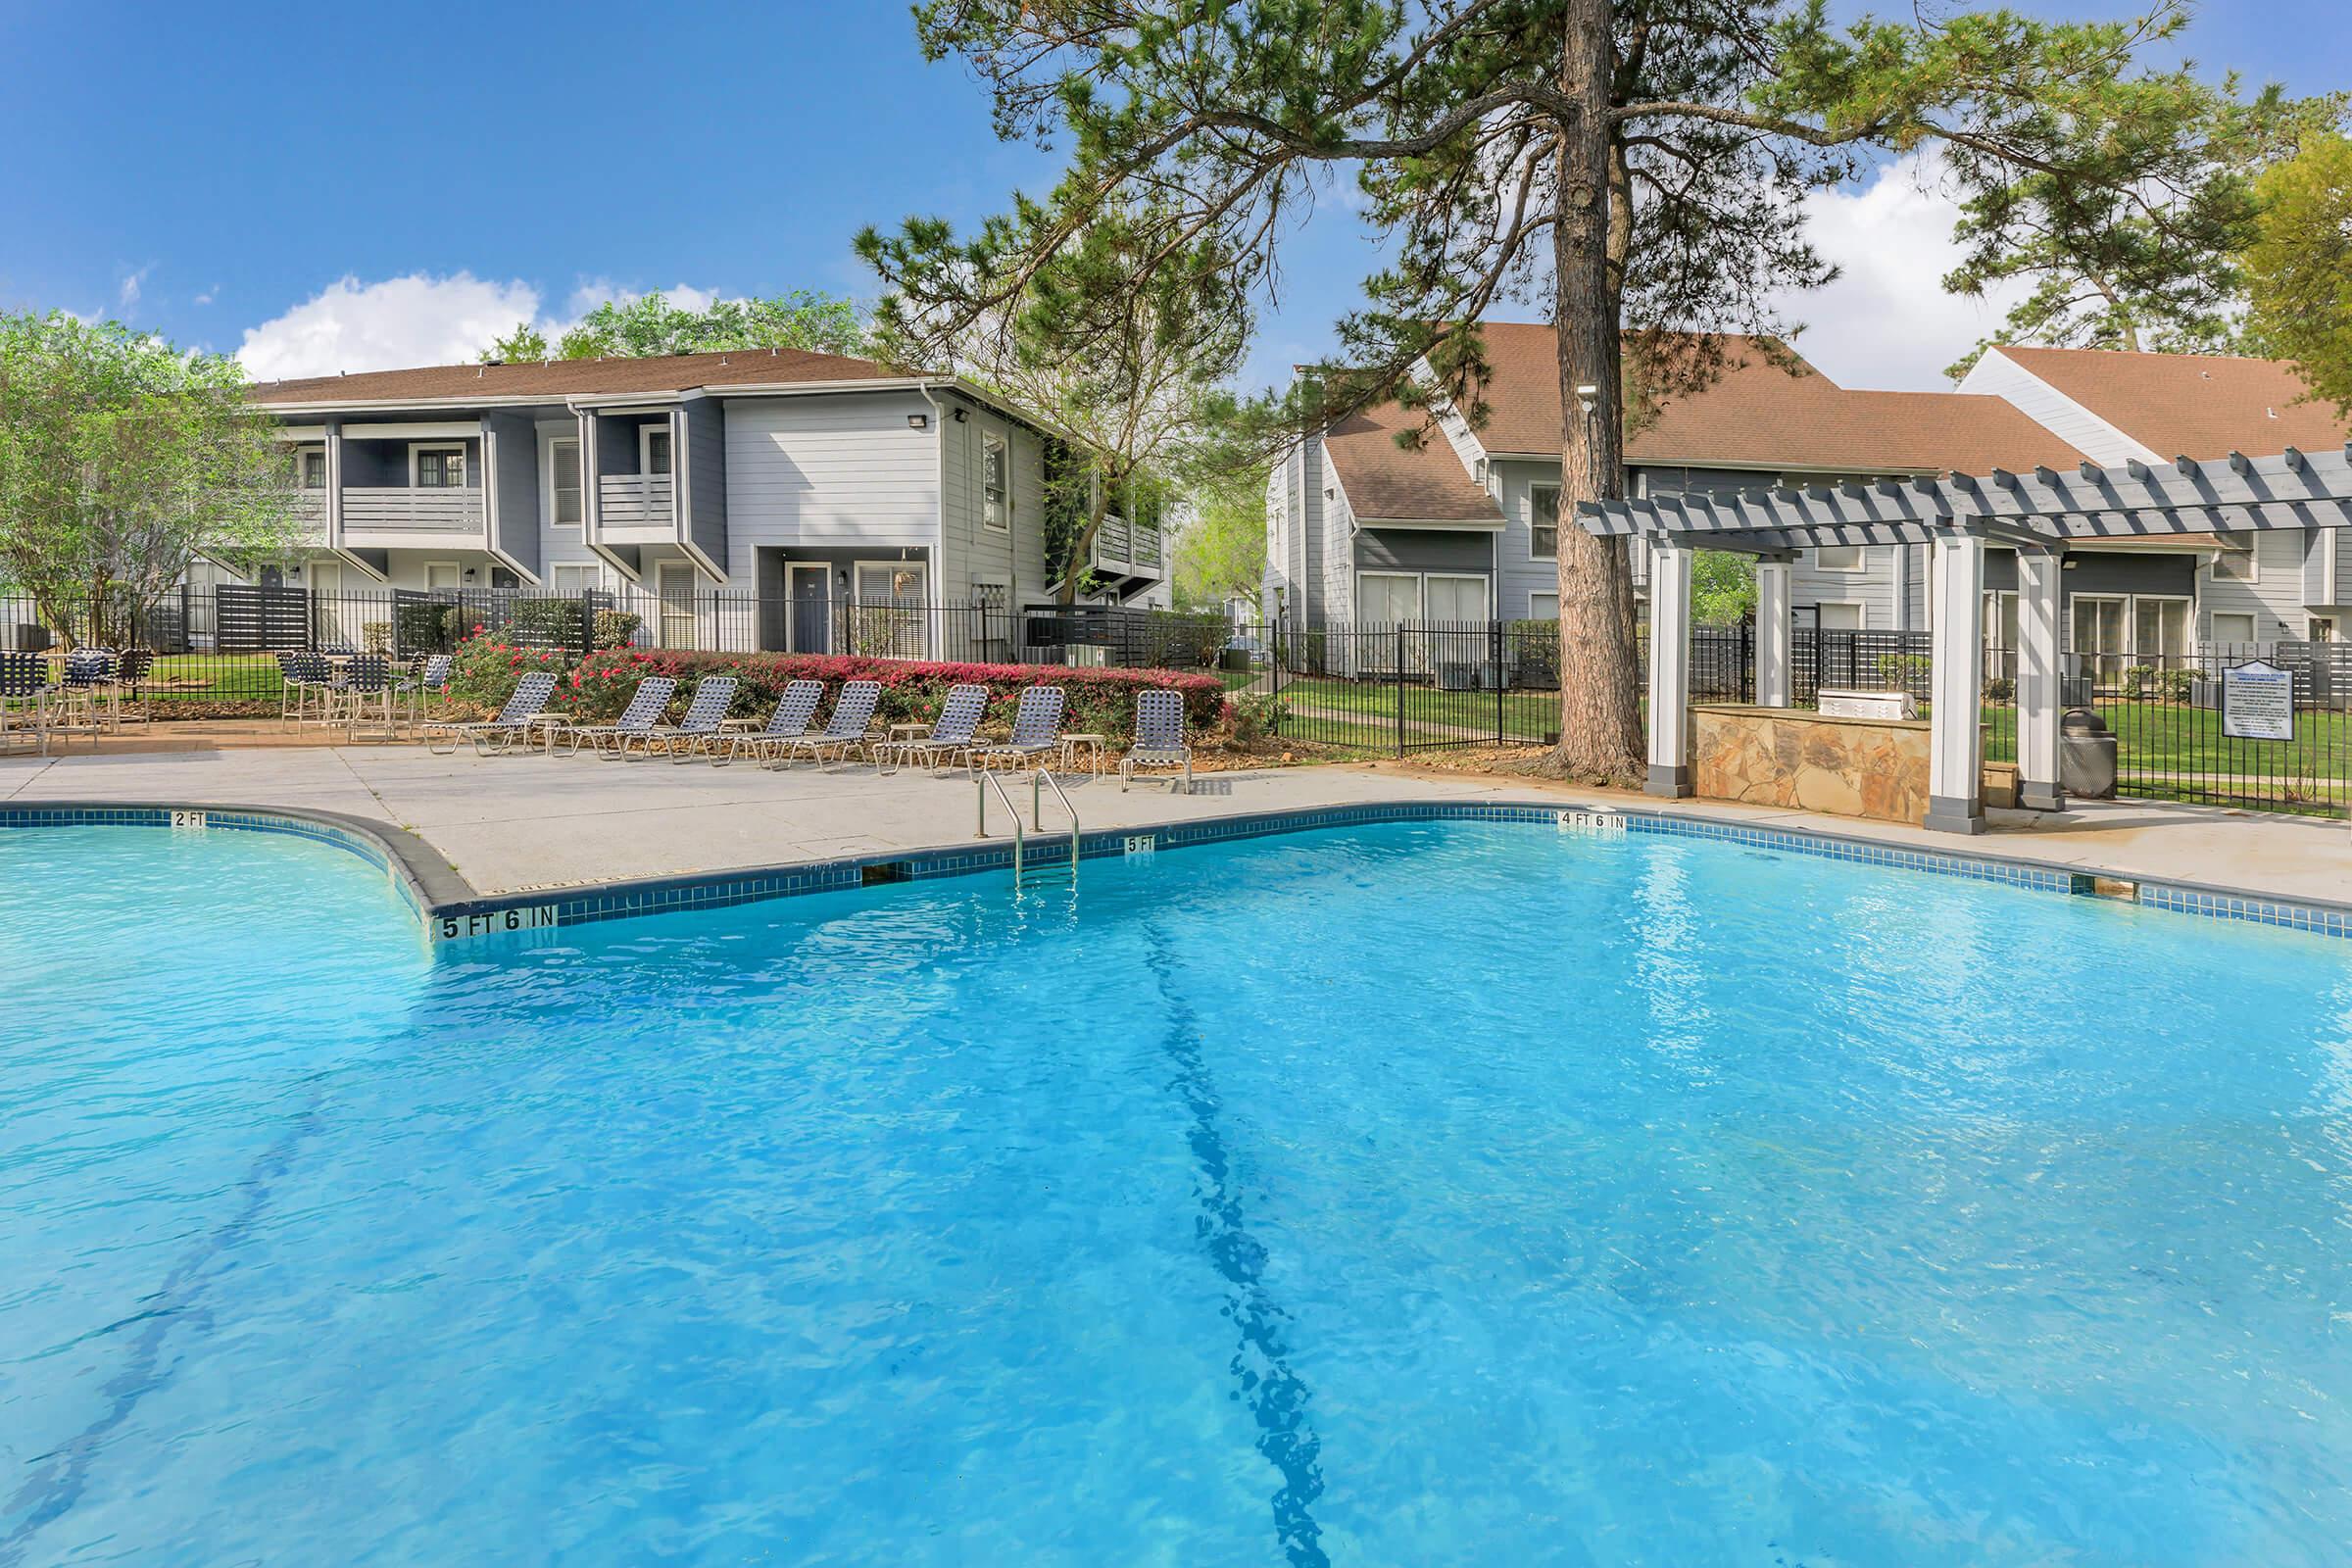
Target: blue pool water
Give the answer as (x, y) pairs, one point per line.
(1408, 1195)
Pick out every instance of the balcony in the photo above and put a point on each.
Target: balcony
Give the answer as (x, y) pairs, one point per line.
(392, 517)
(636, 509)
(1128, 550)
(310, 516)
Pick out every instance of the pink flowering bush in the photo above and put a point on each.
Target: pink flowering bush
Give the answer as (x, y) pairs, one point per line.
(598, 687)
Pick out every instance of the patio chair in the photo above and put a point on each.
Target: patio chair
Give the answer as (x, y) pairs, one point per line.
(426, 679)
(647, 704)
(1158, 738)
(300, 677)
(133, 669)
(952, 733)
(704, 723)
(795, 711)
(88, 689)
(1036, 730)
(366, 692)
(26, 691)
(511, 726)
(843, 732)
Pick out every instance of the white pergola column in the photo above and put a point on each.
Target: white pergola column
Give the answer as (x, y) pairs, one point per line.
(2038, 576)
(1955, 758)
(1774, 634)
(1670, 669)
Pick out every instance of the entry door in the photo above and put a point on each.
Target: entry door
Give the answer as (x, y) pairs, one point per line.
(2099, 637)
(673, 584)
(811, 609)
(335, 628)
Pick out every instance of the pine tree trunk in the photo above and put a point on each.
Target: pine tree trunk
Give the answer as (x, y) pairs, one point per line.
(1600, 715)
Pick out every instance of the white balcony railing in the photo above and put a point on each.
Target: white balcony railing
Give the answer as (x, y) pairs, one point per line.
(1131, 549)
(433, 510)
(635, 501)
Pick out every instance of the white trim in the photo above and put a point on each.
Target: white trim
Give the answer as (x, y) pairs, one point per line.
(1557, 490)
(1861, 559)
(2312, 624)
(667, 429)
(2252, 621)
(456, 567)
(1003, 443)
(2251, 556)
(1534, 593)
(1860, 608)
(1421, 524)
(857, 566)
(1362, 577)
(1486, 591)
(302, 457)
(415, 448)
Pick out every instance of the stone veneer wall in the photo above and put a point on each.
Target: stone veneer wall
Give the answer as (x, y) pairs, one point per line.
(1795, 756)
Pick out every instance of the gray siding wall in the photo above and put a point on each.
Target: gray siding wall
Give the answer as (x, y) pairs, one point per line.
(1337, 586)
(1460, 554)
(515, 504)
(702, 442)
(2273, 599)
(972, 551)
(2092, 573)
(1518, 572)
(1314, 476)
(1875, 587)
(829, 471)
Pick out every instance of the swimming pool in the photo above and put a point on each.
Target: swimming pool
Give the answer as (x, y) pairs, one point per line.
(1398, 1195)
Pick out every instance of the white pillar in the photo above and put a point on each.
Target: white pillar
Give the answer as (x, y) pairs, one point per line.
(1670, 670)
(1773, 634)
(2039, 576)
(1955, 758)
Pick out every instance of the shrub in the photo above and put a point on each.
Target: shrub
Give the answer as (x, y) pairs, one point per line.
(375, 637)
(614, 627)
(1257, 716)
(419, 626)
(1535, 654)
(483, 673)
(545, 623)
(2001, 689)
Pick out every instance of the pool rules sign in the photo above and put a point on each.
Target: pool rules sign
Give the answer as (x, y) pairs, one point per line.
(2258, 702)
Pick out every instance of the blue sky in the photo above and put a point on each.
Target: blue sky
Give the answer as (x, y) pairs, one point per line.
(330, 188)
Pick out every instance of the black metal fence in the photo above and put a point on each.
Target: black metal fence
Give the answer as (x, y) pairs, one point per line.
(1397, 688)
(2167, 717)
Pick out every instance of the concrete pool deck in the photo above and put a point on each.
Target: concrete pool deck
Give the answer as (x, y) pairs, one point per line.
(521, 823)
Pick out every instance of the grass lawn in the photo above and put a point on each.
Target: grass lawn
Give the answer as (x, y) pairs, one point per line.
(216, 677)
(1370, 702)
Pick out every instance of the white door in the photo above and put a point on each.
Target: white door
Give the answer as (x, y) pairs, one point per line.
(1456, 598)
(1387, 599)
(336, 629)
(673, 585)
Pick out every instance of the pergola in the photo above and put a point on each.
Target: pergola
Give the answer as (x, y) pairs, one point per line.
(2041, 515)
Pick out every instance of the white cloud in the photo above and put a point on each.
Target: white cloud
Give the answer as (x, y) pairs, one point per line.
(1887, 322)
(132, 282)
(206, 297)
(400, 321)
(419, 319)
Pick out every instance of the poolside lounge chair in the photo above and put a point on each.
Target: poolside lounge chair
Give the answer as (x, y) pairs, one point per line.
(845, 731)
(24, 694)
(1158, 738)
(509, 729)
(795, 711)
(1036, 731)
(704, 723)
(638, 720)
(952, 733)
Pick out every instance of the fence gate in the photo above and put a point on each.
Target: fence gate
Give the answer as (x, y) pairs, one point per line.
(255, 620)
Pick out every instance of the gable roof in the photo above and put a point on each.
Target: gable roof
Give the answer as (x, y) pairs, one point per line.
(2189, 404)
(559, 379)
(1767, 416)
(1389, 483)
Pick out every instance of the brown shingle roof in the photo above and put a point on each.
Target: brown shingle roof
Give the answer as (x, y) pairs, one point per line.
(1387, 482)
(1760, 414)
(2190, 405)
(557, 378)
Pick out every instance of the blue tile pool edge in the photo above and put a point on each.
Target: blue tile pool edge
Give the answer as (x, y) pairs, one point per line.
(449, 910)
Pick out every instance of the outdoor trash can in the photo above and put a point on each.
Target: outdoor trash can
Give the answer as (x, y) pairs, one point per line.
(2086, 756)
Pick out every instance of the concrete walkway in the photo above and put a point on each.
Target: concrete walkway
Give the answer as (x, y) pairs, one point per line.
(508, 824)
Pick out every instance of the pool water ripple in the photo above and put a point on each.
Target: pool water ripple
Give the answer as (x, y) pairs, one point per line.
(1398, 1194)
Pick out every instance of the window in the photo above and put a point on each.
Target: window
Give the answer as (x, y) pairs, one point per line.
(437, 467)
(2237, 563)
(2001, 635)
(2233, 628)
(310, 469)
(1455, 601)
(441, 574)
(563, 483)
(995, 512)
(2159, 630)
(2098, 625)
(1840, 617)
(1543, 607)
(653, 448)
(1838, 558)
(579, 577)
(2320, 628)
(1387, 599)
(1544, 521)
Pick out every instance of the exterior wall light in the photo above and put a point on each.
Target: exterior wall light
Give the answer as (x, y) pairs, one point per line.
(918, 422)
(1589, 398)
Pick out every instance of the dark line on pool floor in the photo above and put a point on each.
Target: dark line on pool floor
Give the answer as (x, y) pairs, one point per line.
(57, 1486)
(1276, 1396)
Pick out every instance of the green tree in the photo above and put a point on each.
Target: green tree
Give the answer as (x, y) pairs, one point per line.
(120, 457)
(1221, 550)
(1637, 167)
(650, 325)
(2147, 262)
(1723, 587)
(1120, 349)
(2301, 267)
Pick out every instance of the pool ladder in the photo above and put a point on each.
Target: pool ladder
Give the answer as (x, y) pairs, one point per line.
(1039, 782)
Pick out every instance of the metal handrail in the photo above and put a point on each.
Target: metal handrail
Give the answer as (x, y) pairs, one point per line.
(1037, 814)
(988, 781)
